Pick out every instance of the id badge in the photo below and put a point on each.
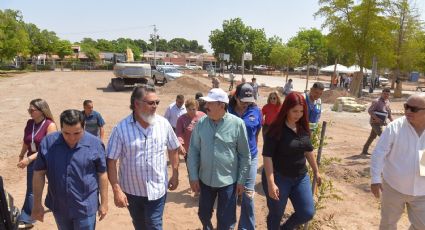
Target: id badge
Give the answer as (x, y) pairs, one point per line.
(33, 147)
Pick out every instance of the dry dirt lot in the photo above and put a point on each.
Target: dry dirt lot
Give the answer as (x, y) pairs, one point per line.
(347, 132)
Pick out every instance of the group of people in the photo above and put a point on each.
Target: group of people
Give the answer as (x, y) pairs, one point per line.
(220, 147)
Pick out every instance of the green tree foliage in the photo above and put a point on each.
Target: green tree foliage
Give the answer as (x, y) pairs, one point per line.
(361, 29)
(179, 45)
(63, 48)
(284, 56)
(312, 44)
(235, 38)
(13, 36)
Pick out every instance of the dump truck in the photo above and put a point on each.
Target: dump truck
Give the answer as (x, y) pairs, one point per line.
(131, 74)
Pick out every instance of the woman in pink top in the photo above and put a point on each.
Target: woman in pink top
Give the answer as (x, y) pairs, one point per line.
(270, 110)
(40, 124)
(186, 123)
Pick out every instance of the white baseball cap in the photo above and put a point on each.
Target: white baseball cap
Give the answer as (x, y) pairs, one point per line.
(216, 94)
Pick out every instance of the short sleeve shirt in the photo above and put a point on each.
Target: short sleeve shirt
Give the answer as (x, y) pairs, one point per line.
(72, 173)
(93, 123)
(288, 153)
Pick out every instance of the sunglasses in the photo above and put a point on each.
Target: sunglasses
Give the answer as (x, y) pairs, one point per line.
(151, 102)
(31, 110)
(412, 109)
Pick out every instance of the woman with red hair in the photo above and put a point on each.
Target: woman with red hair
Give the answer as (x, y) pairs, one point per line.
(287, 147)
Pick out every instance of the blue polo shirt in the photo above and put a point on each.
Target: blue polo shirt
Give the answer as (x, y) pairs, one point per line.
(252, 119)
(93, 122)
(73, 189)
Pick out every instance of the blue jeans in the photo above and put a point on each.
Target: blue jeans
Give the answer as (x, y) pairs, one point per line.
(298, 190)
(146, 214)
(29, 198)
(226, 206)
(247, 218)
(65, 223)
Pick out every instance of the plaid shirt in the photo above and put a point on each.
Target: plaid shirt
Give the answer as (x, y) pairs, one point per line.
(142, 155)
(382, 107)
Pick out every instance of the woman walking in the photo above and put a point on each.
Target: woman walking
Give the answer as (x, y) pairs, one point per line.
(287, 146)
(40, 124)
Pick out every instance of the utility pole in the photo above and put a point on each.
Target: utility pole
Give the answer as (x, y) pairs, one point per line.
(154, 36)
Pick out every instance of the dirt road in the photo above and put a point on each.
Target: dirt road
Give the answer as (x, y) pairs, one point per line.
(63, 90)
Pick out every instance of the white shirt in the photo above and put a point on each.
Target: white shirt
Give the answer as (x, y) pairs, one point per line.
(173, 113)
(142, 156)
(397, 156)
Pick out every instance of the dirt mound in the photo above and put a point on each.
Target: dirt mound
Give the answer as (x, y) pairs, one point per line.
(330, 96)
(185, 86)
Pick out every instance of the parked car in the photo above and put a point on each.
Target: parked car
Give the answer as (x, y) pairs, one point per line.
(193, 66)
(260, 67)
(165, 74)
(383, 82)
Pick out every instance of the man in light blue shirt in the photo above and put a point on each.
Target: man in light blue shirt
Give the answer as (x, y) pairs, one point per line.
(218, 161)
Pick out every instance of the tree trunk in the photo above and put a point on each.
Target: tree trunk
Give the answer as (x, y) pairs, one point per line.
(356, 84)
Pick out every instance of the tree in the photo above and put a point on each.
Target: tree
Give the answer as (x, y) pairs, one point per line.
(103, 45)
(63, 48)
(180, 45)
(407, 24)
(14, 39)
(35, 39)
(312, 45)
(284, 56)
(235, 38)
(360, 29)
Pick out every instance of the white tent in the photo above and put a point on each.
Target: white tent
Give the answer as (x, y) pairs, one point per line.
(339, 68)
(356, 68)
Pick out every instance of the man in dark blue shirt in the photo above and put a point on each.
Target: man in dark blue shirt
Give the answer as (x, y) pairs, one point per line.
(74, 163)
(93, 120)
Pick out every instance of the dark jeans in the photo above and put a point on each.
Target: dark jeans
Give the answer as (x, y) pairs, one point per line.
(64, 223)
(146, 214)
(29, 197)
(376, 131)
(298, 190)
(226, 206)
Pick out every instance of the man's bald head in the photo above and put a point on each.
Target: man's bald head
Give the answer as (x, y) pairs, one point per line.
(414, 110)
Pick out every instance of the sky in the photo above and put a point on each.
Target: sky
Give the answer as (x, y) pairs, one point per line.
(192, 20)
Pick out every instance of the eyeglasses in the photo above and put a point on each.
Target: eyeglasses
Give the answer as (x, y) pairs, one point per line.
(151, 102)
(31, 110)
(413, 109)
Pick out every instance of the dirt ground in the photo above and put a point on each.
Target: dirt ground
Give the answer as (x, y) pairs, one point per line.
(347, 132)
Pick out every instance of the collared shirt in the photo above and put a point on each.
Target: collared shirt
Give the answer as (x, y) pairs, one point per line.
(397, 156)
(219, 152)
(185, 126)
(381, 108)
(72, 173)
(93, 123)
(173, 113)
(252, 118)
(288, 152)
(142, 155)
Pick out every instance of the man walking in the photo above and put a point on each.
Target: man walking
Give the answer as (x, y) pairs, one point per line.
(379, 111)
(140, 143)
(175, 110)
(398, 167)
(218, 161)
(74, 163)
(314, 104)
(93, 120)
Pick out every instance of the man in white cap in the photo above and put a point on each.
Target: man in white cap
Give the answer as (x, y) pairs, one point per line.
(218, 161)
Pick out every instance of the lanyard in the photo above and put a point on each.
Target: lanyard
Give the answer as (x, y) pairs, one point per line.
(38, 130)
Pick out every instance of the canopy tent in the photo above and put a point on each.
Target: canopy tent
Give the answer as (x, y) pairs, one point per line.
(339, 68)
(356, 68)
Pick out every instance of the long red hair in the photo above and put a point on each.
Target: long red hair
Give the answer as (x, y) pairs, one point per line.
(291, 100)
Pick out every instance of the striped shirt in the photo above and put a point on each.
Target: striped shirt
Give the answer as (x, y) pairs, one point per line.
(142, 156)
